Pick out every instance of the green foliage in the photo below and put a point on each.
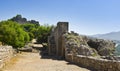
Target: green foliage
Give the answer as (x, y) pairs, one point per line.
(117, 50)
(11, 33)
(43, 33)
(18, 30)
(31, 29)
(40, 32)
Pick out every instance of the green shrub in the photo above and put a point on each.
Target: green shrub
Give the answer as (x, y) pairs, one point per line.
(43, 33)
(12, 34)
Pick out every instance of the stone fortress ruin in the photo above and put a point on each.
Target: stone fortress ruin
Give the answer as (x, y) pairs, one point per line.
(82, 50)
(55, 42)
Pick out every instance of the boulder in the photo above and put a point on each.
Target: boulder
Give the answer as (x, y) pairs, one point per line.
(83, 45)
(104, 47)
(77, 45)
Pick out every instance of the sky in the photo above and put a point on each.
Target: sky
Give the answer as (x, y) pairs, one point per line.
(87, 17)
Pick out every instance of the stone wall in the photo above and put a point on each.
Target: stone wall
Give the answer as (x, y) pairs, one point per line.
(55, 39)
(95, 63)
(6, 52)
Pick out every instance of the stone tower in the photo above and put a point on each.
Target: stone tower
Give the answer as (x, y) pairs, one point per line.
(55, 39)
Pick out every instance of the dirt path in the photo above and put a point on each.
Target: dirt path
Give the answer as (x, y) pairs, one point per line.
(34, 62)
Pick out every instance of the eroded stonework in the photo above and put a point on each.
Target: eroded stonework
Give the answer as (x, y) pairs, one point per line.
(55, 40)
(61, 42)
(82, 50)
(83, 45)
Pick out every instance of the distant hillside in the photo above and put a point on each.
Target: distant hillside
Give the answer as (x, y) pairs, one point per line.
(110, 36)
(22, 20)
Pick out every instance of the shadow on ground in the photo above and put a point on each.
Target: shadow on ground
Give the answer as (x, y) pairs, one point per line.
(44, 55)
(91, 69)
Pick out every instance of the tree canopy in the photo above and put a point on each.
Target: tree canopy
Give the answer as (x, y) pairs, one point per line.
(32, 29)
(11, 33)
(17, 31)
(43, 33)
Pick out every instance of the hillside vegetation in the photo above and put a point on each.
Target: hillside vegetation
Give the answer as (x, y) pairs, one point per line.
(17, 31)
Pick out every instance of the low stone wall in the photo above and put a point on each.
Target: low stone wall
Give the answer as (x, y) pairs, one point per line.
(6, 52)
(96, 63)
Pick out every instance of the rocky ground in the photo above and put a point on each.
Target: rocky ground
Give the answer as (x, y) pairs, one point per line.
(35, 62)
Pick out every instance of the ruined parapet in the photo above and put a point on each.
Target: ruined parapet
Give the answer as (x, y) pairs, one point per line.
(62, 29)
(97, 64)
(82, 50)
(55, 39)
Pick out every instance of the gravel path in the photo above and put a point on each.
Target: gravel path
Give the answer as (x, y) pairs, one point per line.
(34, 62)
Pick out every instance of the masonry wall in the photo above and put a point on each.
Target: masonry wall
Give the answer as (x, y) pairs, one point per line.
(92, 62)
(55, 39)
(6, 52)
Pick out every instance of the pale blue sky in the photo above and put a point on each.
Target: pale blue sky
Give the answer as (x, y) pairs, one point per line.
(84, 16)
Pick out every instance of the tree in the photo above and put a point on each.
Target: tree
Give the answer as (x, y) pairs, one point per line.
(34, 22)
(43, 33)
(31, 29)
(11, 33)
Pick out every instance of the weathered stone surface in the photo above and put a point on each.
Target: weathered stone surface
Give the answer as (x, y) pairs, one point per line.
(6, 52)
(95, 63)
(61, 42)
(104, 47)
(82, 50)
(55, 40)
(77, 45)
(82, 45)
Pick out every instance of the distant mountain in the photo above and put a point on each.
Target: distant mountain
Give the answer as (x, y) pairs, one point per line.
(110, 36)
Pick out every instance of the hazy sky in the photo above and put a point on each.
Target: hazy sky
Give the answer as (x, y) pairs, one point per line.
(84, 16)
